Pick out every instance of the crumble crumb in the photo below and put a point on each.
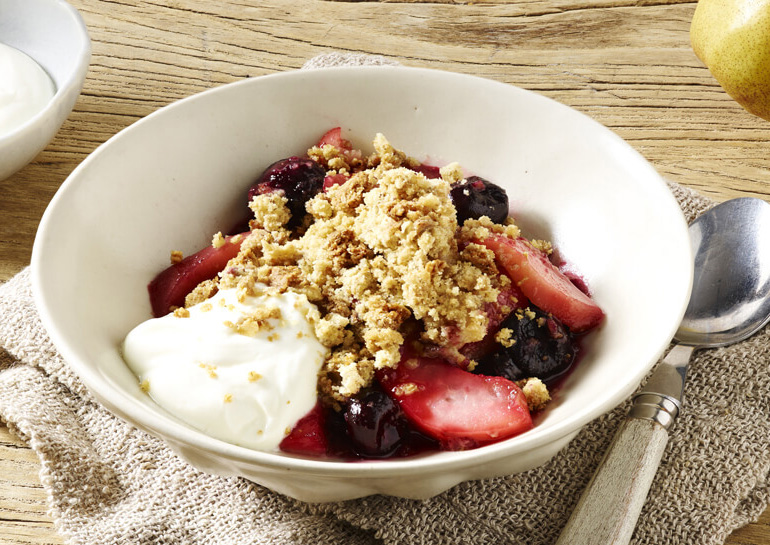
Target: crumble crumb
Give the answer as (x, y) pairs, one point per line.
(405, 389)
(145, 386)
(203, 291)
(254, 376)
(337, 161)
(228, 398)
(544, 246)
(344, 373)
(176, 257)
(330, 330)
(210, 369)
(452, 173)
(505, 337)
(270, 211)
(218, 241)
(536, 393)
(259, 320)
(181, 312)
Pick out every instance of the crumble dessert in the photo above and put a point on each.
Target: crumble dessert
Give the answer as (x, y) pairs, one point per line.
(437, 324)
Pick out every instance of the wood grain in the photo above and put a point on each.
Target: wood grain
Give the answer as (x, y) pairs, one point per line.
(23, 511)
(626, 63)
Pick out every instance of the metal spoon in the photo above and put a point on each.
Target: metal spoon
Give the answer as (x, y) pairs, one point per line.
(730, 301)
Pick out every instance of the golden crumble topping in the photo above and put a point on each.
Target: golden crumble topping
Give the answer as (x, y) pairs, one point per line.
(381, 256)
(202, 292)
(218, 241)
(270, 212)
(504, 337)
(257, 321)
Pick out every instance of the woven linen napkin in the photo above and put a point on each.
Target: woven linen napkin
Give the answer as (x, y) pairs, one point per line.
(108, 483)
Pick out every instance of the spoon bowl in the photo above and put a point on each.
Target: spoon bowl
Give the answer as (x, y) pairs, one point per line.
(731, 285)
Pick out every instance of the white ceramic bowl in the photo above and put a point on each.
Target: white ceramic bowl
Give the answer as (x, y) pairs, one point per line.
(179, 175)
(53, 34)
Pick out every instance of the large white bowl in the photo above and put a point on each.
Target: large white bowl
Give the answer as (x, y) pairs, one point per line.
(179, 175)
(53, 34)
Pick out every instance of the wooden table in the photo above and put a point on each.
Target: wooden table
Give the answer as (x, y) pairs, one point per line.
(628, 64)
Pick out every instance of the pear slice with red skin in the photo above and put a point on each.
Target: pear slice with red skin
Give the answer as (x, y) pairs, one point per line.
(172, 285)
(543, 283)
(308, 436)
(456, 407)
(333, 137)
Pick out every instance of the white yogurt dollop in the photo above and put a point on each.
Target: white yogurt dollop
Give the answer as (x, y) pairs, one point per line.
(247, 388)
(25, 89)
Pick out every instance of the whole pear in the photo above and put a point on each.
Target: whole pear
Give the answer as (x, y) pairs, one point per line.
(732, 38)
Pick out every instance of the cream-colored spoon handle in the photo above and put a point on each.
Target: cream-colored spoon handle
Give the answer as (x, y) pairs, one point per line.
(610, 505)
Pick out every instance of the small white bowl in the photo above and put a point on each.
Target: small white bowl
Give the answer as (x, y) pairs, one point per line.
(54, 35)
(179, 175)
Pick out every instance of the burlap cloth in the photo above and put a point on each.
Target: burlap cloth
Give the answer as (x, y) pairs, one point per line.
(108, 483)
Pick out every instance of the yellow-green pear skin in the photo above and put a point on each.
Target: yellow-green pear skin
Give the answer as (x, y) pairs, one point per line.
(732, 38)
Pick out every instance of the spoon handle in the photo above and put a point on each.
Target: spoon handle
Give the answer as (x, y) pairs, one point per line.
(610, 505)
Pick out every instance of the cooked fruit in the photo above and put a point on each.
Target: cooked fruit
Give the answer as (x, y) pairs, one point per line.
(172, 285)
(333, 137)
(538, 346)
(543, 284)
(308, 436)
(458, 408)
(509, 299)
(299, 178)
(335, 179)
(476, 197)
(429, 171)
(375, 424)
(447, 394)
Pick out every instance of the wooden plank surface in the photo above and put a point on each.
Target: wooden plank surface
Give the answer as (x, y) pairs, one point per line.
(626, 63)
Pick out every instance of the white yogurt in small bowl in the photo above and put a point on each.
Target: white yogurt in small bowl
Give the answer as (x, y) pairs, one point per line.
(25, 89)
(44, 56)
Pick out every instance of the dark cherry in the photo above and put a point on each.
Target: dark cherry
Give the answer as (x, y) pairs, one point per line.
(300, 178)
(543, 348)
(376, 426)
(476, 197)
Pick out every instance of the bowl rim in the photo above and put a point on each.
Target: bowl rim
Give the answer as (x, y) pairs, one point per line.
(136, 415)
(65, 93)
